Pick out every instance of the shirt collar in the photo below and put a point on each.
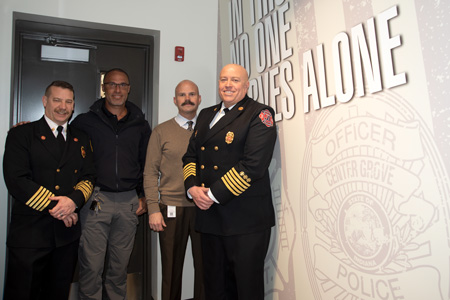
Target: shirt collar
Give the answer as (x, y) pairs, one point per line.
(229, 108)
(53, 126)
(182, 120)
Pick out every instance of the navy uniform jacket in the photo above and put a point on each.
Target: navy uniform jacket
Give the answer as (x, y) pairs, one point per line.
(232, 159)
(33, 173)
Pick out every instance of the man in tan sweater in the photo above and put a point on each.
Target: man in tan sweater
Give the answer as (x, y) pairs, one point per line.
(171, 214)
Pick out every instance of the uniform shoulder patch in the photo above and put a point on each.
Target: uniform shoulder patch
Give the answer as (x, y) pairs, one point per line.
(266, 118)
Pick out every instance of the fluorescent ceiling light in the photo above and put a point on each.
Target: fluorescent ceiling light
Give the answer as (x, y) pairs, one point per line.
(64, 54)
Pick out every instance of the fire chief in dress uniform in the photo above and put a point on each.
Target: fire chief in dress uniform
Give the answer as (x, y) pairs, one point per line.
(226, 174)
(50, 178)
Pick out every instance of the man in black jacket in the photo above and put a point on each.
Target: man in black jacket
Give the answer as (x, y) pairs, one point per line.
(119, 134)
(226, 174)
(49, 170)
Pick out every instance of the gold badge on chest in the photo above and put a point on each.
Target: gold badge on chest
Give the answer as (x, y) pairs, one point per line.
(229, 137)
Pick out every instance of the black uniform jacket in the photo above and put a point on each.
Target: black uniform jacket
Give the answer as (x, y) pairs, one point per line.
(232, 159)
(33, 173)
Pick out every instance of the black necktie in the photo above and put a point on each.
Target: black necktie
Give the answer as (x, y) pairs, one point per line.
(190, 125)
(225, 110)
(61, 140)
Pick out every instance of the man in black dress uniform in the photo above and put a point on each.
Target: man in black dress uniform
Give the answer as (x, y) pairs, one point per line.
(226, 174)
(49, 170)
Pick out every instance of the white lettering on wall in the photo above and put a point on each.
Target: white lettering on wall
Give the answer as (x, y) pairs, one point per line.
(351, 69)
(239, 43)
(271, 86)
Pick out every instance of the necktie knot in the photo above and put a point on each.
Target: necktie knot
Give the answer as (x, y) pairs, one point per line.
(60, 129)
(190, 123)
(225, 110)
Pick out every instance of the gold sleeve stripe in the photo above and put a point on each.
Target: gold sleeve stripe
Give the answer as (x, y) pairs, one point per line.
(86, 188)
(232, 181)
(186, 175)
(36, 196)
(235, 183)
(189, 170)
(241, 181)
(229, 186)
(40, 200)
(43, 205)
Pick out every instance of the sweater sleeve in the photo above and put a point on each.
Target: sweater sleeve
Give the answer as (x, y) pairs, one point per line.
(152, 171)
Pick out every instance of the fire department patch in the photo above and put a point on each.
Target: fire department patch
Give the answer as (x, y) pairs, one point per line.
(266, 118)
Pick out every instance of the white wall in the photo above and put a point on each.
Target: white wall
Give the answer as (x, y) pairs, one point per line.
(192, 24)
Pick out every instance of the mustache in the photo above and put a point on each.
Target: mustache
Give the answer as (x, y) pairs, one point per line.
(187, 102)
(61, 111)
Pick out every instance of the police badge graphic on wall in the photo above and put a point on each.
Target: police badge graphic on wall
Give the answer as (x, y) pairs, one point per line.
(370, 235)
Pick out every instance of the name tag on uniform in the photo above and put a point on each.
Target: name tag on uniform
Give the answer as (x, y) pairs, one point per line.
(171, 211)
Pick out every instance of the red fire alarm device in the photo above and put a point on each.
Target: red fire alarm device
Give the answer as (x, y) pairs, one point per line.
(179, 53)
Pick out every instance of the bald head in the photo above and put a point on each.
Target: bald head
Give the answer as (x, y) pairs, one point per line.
(187, 99)
(233, 84)
(188, 83)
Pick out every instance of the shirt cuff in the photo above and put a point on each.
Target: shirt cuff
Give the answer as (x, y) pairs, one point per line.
(210, 194)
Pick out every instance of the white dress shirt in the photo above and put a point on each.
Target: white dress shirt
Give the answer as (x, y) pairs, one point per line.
(53, 126)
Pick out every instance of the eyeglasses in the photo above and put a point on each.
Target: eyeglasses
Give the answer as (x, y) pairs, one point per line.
(113, 85)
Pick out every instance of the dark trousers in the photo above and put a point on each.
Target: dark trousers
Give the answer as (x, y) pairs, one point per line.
(40, 273)
(234, 265)
(173, 241)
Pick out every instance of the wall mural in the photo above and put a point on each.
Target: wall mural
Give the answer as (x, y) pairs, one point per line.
(360, 171)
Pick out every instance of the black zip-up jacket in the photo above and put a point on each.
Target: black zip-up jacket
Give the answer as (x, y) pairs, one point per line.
(119, 155)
